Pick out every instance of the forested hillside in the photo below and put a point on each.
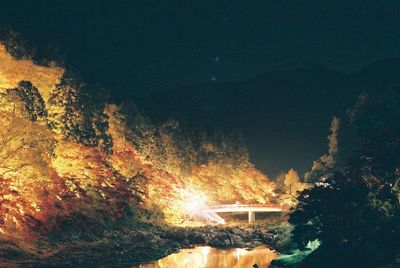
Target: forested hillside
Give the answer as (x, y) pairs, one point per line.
(352, 210)
(69, 157)
(284, 115)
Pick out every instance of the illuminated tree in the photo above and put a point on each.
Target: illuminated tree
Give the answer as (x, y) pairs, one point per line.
(323, 167)
(288, 187)
(77, 114)
(25, 151)
(292, 183)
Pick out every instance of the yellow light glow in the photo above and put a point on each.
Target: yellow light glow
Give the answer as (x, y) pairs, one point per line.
(13, 71)
(193, 201)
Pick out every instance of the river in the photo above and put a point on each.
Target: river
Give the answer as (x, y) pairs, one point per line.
(208, 257)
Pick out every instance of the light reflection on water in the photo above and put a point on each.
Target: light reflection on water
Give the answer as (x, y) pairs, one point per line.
(207, 257)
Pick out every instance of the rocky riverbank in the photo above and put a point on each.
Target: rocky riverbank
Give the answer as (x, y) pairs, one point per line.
(129, 247)
(239, 236)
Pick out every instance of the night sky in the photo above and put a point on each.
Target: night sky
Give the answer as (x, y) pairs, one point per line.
(137, 47)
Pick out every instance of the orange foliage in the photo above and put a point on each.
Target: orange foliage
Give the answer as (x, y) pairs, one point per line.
(13, 71)
(46, 179)
(226, 184)
(95, 184)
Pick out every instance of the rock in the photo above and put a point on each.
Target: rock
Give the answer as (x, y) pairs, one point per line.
(175, 245)
(238, 231)
(268, 237)
(255, 244)
(185, 242)
(176, 235)
(215, 242)
(224, 240)
(196, 238)
(237, 240)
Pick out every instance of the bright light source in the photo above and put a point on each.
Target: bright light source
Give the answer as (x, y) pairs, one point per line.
(193, 204)
(190, 207)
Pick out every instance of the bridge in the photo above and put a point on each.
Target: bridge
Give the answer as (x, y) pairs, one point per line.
(250, 209)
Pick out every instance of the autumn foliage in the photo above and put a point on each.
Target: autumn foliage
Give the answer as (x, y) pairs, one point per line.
(69, 158)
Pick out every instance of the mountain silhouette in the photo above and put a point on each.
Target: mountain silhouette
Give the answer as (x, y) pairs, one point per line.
(284, 115)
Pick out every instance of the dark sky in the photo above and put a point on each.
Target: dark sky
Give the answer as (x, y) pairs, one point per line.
(140, 46)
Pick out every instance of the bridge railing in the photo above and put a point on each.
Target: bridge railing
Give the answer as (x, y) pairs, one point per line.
(248, 206)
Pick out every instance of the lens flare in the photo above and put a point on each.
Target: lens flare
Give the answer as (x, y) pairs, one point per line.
(194, 206)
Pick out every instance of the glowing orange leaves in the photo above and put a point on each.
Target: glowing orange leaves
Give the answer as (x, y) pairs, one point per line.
(13, 71)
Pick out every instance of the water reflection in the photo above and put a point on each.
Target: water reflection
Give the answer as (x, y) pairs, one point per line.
(207, 257)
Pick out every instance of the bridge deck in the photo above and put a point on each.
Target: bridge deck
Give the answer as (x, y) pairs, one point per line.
(246, 208)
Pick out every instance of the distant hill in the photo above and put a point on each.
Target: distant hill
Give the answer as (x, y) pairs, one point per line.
(284, 115)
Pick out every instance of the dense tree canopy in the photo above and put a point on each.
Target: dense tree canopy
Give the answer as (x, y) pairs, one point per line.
(71, 159)
(355, 211)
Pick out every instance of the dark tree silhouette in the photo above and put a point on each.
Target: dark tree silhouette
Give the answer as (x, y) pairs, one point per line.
(355, 212)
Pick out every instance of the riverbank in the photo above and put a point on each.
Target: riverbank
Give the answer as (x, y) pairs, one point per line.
(128, 247)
